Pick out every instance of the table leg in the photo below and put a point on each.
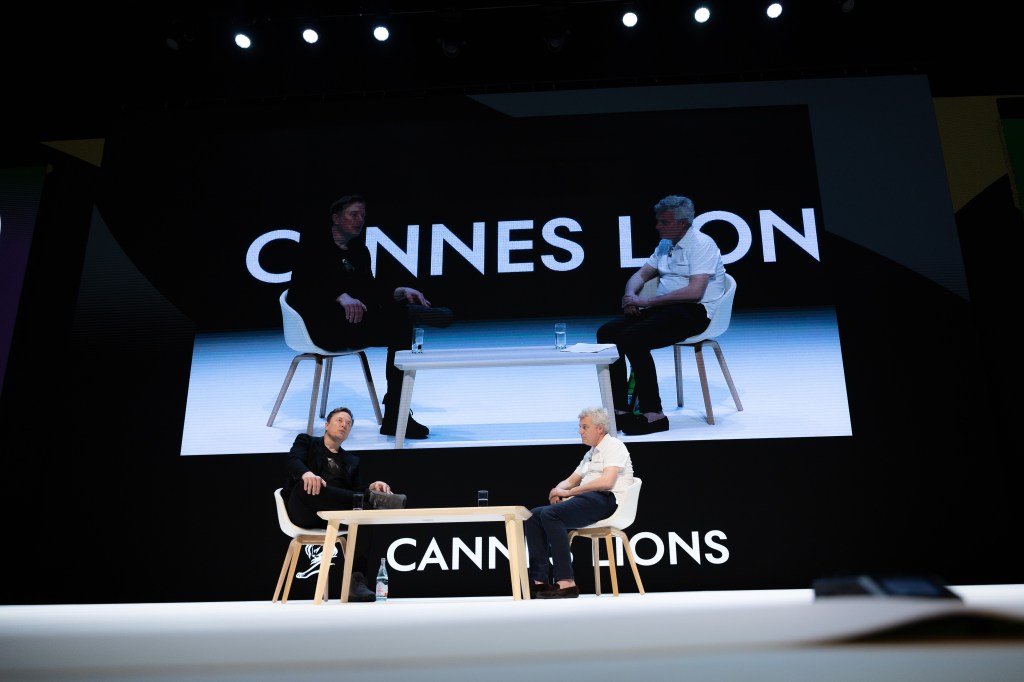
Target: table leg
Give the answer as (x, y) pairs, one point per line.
(604, 381)
(512, 541)
(524, 573)
(408, 380)
(330, 538)
(350, 553)
(517, 558)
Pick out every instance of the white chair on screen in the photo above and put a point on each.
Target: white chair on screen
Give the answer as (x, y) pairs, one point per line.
(719, 323)
(298, 339)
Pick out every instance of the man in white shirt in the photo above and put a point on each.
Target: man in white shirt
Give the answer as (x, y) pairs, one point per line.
(588, 495)
(691, 281)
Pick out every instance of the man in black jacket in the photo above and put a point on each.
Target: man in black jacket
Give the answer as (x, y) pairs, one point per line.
(322, 477)
(345, 306)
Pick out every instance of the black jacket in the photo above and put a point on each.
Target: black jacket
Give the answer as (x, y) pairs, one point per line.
(308, 453)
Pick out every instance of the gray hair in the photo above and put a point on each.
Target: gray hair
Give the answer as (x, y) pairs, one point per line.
(681, 207)
(598, 417)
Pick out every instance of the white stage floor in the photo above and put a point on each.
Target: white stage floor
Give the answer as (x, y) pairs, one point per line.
(782, 635)
(787, 366)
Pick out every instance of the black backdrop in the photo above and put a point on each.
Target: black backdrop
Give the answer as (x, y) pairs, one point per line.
(94, 400)
(186, 197)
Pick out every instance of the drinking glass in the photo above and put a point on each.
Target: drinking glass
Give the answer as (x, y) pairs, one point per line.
(560, 336)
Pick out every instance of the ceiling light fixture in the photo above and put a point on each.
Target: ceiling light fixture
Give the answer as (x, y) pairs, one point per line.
(629, 16)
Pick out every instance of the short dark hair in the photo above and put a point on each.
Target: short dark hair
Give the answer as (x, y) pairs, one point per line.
(340, 203)
(336, 410)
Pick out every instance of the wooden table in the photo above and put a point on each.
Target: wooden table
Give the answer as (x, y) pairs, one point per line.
(460, 358)
(512, 516)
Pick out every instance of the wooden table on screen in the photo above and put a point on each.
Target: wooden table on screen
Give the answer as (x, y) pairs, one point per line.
(511, 516)
(463, 358)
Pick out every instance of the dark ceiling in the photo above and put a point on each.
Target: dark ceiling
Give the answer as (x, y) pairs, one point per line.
(70, 71)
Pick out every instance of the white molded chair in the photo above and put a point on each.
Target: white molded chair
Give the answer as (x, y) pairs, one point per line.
(297, 338)
(719, 323)
(610, 527)
(300, 537)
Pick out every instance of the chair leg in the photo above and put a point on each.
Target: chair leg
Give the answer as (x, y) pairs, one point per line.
(596, 558)
(370, 387)
(284, 389)
(727, 375)
(287, 571)
(610, 547)
(328, 365)
(703, 372)
(632, 560)
(316, 385)
(284, 572)
(679, 375)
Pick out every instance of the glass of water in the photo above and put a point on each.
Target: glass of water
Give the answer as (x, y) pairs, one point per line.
(560, 336)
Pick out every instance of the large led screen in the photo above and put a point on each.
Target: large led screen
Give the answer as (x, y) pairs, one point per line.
(515, 222)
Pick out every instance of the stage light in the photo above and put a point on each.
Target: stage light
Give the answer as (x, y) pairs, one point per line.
(451, 34)
(381, 32)
(774, 10)
(243, 41)
(179, 35)
(702, 15)
(556, 39)
(555, 27)
(310, 36)
(450, 47)
(629, 15)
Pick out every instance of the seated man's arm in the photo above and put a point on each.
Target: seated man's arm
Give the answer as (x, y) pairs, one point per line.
(693, 291)
(563, 489)
(606, 481)
(636, 282)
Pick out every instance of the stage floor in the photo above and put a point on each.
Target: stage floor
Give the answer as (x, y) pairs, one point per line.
(758, 635)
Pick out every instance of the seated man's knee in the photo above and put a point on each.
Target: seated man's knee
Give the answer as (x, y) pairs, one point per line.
(549, 513)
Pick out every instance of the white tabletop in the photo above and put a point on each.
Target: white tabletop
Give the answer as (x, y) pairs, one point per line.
(442, 358)
(425, 515)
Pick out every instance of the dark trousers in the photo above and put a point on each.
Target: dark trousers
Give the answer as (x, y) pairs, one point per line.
(390, 326)
(387, 326)
(636, 336)
(302, 509)
(547, 532)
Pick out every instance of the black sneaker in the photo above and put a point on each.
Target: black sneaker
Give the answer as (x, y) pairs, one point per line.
(537, 588)
(557, 592)
(386, 500)
(413, 429)
(421, 316)
(642, 427)
(358, 589)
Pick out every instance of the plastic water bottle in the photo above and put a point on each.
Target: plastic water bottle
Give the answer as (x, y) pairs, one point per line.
(382, 581)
